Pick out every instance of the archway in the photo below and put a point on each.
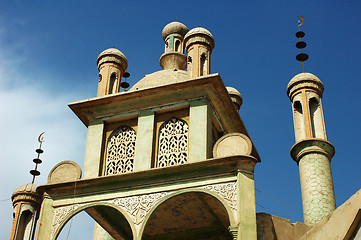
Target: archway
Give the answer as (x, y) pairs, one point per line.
(80, 226)
(112, 220)
(190, 215)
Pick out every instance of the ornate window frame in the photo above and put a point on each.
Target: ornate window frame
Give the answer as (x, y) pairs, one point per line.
(172, 153)
(120, 159)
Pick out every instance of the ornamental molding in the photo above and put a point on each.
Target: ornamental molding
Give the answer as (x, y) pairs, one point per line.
(138, 207)
(228, 191)
(61, 213)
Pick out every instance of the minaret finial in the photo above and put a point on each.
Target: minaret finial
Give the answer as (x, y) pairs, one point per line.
(37, 160)
(301, 45)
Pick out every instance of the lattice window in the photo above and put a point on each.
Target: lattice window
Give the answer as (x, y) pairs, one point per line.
(173, 143)
(120, 151)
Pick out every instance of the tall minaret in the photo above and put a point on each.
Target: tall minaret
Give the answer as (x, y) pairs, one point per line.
(112, 65)
(199, 44)
(312, 151)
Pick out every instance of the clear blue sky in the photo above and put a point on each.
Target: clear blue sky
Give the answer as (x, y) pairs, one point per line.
(48, 52)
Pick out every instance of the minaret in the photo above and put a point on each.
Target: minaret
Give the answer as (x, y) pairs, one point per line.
(112, 65)
(26, 203)
(199, 44)
(173, 57)
(312, 151)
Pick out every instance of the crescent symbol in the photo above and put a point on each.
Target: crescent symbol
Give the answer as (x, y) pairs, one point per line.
(300, 22)
(41, 138)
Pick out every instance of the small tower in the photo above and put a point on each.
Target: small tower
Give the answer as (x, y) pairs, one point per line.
(199, 44)
(173, 57)
(236, 97)
(112, 64)
(312, 151)
(26, 203)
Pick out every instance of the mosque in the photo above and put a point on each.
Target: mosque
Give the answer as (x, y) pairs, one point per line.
(171, 158)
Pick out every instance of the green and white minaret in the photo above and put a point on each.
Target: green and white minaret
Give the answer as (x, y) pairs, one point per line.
(312, 151)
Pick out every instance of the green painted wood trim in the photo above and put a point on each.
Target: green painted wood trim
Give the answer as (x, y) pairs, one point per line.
(200, 130)
(144, 143)
(93, 149)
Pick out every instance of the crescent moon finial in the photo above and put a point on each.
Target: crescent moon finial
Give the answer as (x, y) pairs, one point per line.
(300, 22)
(41, 138)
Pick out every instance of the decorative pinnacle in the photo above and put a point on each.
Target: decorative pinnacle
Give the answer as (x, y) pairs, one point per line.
(37, 160)
(301, 45)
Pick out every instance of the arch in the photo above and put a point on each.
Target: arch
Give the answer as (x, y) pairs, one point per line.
(185, 196)
(24, 228)
(100, 83)
(120, 151)
(112, 83)
(299, 120)
(177, 46)
(203, 65)
(189, 65)
(172, 143)
(316, 118)
(121, 219)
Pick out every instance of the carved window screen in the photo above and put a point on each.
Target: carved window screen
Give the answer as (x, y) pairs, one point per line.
(172, 143)
(120, 151)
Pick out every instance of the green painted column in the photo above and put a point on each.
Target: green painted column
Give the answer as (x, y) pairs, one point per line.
(93, 149)
(246, 207)
(45, 219)
(144, 143)
(314, 160)
(200, 130)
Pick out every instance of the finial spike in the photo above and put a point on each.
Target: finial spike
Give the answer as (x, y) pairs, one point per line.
(37, 160)
(300, 22)
(302, 56)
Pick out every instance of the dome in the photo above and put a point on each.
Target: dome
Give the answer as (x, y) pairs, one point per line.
(233, 91)
(111, 51)
(160, 78)
(26, 192)
(304, 80)
(174, 27)
(112, 55)
(200, 31)
(26, 188)
(304, 77)
(236, 97)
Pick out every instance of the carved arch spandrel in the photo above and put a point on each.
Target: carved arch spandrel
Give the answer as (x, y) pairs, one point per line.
(225, 193)
(137, 209)
(64, 213)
